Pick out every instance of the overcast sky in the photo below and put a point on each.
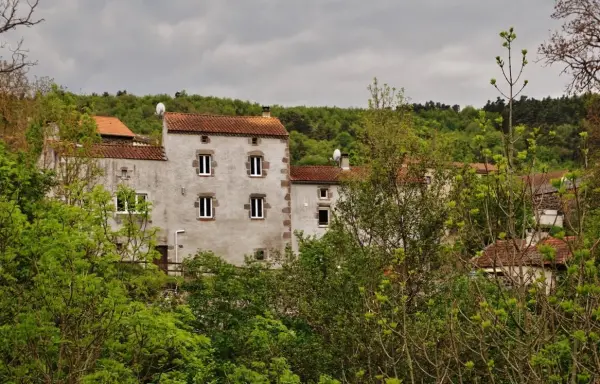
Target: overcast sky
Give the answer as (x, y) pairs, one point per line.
(290, 52)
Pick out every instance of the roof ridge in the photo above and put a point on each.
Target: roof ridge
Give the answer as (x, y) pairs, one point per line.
(216, 115)
(128, 145)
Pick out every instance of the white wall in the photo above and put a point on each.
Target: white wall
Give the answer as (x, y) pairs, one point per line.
(232, 234)
(305, 206)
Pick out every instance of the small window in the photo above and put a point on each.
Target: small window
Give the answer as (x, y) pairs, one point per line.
(323, 193)
(259, 254)
(255, 166)
(124, 173)
(129, 202)
(256, 208)
(255, 141)
(204, 139)
(323, 217)
(206, 211)
(204, 164)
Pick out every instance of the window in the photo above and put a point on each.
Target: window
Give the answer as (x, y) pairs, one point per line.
(204, 164)
(124, 173)
(259, 254)
(129, 202)
(204, 139)
(323, 192)
(206, 211)
(255, 141)
(323, 217)
(255, 166)
(256, 208)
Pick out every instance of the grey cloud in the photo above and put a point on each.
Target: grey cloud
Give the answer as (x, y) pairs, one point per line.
(315, 52)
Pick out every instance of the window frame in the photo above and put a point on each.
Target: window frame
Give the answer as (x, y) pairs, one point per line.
(259, 164)
(321, 197)
(126, 203)
(325, 209)
(255, 205)
(202, 164)
(207, 200)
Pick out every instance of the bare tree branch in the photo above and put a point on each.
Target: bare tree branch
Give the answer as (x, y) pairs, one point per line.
(577, 44)
(15, 14)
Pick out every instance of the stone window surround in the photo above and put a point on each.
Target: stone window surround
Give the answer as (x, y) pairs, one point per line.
(265, 164)
(319, 188)
(320, 206)
(251, 141)
(256, 254)
(266, 206)
(124, 174)
(215, 204)
(196, 161)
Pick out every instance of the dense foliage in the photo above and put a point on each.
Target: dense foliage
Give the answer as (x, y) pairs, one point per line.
(316, 131)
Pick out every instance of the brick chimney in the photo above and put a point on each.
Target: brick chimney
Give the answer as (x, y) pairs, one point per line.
(266, 111)
(345, 162)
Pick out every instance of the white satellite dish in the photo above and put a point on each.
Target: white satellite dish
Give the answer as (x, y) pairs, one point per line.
(337, 155)
(160, 109)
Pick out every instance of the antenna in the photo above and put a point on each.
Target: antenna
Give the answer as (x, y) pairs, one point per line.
(160, 109)
(337, 155)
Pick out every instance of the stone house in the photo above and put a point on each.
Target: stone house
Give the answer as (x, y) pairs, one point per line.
(218, 183)
(315, 191)
(520, 262)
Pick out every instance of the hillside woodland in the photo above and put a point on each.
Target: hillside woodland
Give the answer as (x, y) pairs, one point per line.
(389, 295)
(316, 131)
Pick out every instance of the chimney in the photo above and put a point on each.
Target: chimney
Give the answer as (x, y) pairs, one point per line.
(345, 162)
(266, 111)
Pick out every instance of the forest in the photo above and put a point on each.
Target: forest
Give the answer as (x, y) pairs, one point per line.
(392, 293)
(316, 131)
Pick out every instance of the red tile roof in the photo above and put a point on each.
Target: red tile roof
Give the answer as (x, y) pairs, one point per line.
(315, 173)
(331, 173)
(507, 253)
(114, 151)
(124, 151)
(224, 125)
(479, 167)
(112, 126)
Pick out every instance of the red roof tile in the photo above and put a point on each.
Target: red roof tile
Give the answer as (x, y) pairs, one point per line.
(113, 151)
(481, 168)
(331, 173)
(124, 151)
(112, 126)
(315, 173)
(226, 125)
(506, 253)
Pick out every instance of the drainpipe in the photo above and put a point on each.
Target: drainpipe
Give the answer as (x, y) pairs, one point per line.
(177, 232)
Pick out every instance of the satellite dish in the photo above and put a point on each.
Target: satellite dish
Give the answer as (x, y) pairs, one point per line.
(337, 155)
(160, 109)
